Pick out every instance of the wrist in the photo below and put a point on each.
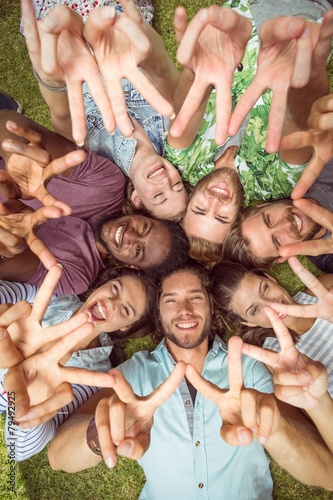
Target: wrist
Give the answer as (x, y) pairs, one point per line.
(92, 438)
(53, 88)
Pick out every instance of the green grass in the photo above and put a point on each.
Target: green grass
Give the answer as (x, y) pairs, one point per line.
(34, 478)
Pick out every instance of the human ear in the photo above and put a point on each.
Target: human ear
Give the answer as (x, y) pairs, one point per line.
(247, 323)
(124, 328)
(136, 200)
(281, 259)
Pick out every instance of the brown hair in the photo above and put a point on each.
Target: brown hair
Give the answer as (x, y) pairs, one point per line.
(225, 280)
(204, 250)
(236, 246)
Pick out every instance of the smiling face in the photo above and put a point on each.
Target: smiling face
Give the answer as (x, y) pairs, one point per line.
(158, 187)
(117, 304)
(253, 294)
(277, 224)
(185, 310)
(135, 240)
(213, 206)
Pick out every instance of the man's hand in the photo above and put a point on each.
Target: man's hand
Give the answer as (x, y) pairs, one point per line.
(320, 137)
(298, 380)
(246, 413)
(320, 246)
(321, 309)
(18, 224)
(30, 167)
(125, 419)
(212, 46)
(292, 51)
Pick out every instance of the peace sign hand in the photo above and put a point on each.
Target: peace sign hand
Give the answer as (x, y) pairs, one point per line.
(125, 420)
(30, 166)
(298, 380)
(246, 413)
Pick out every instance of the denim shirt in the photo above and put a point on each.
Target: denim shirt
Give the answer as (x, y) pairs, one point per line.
(117, 147)
(187, 458)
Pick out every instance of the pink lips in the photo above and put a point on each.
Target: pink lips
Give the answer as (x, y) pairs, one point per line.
(98, 311)
(156, 169)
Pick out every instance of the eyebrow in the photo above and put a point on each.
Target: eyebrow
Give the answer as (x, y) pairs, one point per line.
(143, 252)
(275, 245)
(173, 294)
(129, 305)
(261, 282)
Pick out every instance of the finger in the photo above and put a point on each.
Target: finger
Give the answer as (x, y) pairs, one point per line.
(281, 29)
(309, 280)
(190, 37)
(34, 153)
(206, 388)
(66, 344)
(77, 111)
(31, 135)
(191, 104)
(46, 291)
(311, 247)
(134, 448)
(118, 103)
(103, 425)
(8, 186)
(31, 32)
(101, 98)
(323, 45)
(165, 390)
(48, 408)
(180, 22)
(49, 200)
(308, 177)
(87, 377)
(223, 110)
(302, 64)
(14, 312)
(292, 379)
(66, 162)
(14, 382)
(258, 413)
(40, 249)
(283, 336)
(99, 20)
(263, 355)
(122, 388)
(117, 414)
(236, 435)
(10, 244)
(244, 105)
(296, 310)
(235, 372)
(58, 331)
(9, 355)
(11, 207)
(275, 120)
(296, 140)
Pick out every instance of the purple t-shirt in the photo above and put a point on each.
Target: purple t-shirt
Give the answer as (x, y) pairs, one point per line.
(94, 188)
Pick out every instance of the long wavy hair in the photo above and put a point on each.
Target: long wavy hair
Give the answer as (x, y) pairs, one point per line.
(225, 280)
(145, 324)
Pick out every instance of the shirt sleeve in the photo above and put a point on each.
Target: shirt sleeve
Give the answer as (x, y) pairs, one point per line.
(12, 292)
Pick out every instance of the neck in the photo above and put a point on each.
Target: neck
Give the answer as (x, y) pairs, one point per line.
(227, 159)
(144, 146)
(302, 325)
(195, 356)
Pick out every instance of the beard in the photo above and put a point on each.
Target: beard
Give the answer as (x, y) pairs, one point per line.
(187, 342)
(223, 174)
(98, 229)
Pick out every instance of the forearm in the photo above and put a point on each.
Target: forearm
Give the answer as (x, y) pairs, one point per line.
(322, 417)
(59, 109)
(297, 447)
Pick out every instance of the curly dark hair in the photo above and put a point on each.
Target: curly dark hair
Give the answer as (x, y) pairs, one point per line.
(217, 326)
(225, 280)
(145, 324)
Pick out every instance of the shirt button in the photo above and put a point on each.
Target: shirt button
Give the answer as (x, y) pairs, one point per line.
(77, 354)
(188, 403)
(197, 443)
(240, 67)
(201, 485)
(92, 118)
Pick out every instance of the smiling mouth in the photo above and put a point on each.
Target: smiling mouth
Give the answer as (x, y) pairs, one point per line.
(220, 191)
(298, 222)
(98, 311)
(188, 325)
(119, 234)
(156, 172)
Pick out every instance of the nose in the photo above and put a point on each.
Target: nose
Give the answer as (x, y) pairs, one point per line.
(185, 309)
(283, 224)
(131, 236)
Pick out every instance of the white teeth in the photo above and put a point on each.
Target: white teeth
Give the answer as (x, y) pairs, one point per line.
(222, 191)
(117, 235)
(101, 310)
(190, 324)
(298, 222)
(157, 172)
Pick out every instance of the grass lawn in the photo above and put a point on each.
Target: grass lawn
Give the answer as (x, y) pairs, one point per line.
(34, 478)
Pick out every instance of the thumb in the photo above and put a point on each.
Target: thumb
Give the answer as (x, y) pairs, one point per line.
(165, 390)
(206, 388)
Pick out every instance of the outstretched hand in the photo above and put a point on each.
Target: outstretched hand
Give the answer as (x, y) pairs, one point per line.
(319, 136)
(246, 413)
(30, 167)
(18, 224)
(125, 420)
(292, 51)
(313, 247)
(298, 380)
(212, 46)
(323, 308)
